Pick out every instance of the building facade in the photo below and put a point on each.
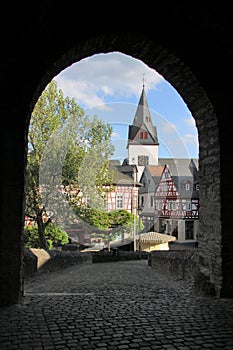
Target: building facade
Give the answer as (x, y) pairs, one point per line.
(169, 191)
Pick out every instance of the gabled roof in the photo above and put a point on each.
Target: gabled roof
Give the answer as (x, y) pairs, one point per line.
(120, 178)
(180, 166)
(155, 170)
(183, 170)
(153, 173)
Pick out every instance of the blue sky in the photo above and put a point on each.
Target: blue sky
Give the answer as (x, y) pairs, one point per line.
(110, 85)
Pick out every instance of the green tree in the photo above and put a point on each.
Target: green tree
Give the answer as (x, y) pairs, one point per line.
(110, 224)
(62, 140)
(53, 234)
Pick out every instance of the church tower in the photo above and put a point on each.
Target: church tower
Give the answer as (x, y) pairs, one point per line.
(142, 137)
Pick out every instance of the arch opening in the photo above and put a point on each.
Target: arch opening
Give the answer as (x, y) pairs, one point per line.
(209, 276)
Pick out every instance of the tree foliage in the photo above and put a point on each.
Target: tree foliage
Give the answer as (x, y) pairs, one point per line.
(109, 224)
(68, 156)
(53, 234)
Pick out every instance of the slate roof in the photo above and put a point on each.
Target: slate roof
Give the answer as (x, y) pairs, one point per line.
(126, 169)
(180, 166)
(152, 176)
(143, 122)
(121, 178)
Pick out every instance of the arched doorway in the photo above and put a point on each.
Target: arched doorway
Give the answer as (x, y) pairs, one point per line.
(210, 273)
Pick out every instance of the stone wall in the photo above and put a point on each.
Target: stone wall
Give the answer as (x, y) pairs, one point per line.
(105, 256)
(181, 263)
(53, 260)
(185, 265)
(179, 61)
(30, 262)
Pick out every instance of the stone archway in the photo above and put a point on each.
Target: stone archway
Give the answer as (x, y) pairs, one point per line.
(183, 80)
(209, 278)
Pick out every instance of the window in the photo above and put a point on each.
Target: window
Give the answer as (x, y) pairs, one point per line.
(119, 201)
(189, 230)
(187, 186)
(165, 186)
(152, 201)
(143, 135)
(188, 205)
(174, 205)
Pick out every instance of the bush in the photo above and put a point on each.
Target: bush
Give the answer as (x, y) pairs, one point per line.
(53, 235)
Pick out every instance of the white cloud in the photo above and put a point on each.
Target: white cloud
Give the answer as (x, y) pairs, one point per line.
(168, 127)
(190, 139)
(109, 85)
(116, 135)
(190, 122)
(93, 79)
(83, 92)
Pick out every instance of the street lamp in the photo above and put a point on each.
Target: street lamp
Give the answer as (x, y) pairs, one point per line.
(139, 212)
(134, 208)
(135, 197)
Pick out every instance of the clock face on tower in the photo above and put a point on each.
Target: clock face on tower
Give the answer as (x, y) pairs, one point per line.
(143, 160)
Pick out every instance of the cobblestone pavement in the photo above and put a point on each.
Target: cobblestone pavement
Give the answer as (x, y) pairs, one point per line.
(117, 305)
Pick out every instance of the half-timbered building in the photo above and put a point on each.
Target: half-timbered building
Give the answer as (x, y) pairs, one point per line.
(165, 189)
(149, 182)
(177, 199)
(169, 192)
(125, 188)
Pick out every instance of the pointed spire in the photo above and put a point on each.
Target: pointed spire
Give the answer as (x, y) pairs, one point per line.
(142, 114)
(143, 121)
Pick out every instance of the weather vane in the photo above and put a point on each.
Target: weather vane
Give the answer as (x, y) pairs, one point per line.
(143, 79)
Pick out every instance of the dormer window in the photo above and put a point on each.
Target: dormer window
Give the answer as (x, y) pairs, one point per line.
(186, 185)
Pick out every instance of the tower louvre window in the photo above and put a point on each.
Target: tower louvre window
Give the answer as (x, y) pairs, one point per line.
(143, 135)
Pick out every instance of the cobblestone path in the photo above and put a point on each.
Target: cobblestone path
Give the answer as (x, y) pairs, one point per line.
(115, 306)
